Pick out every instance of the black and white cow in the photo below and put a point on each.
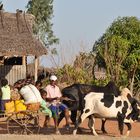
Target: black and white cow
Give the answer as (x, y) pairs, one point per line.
(124, 108)
(77, 92)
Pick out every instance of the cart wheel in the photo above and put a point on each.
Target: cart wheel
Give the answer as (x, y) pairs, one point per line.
(23, 122)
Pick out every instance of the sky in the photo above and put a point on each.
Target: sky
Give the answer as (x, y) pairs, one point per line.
(79, 23)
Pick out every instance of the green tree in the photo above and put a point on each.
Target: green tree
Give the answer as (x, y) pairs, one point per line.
(43, 12)
(80, 72)
(118, 50)
(85, 62)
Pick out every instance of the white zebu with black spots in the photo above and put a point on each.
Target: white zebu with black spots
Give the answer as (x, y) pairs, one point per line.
(124, 108)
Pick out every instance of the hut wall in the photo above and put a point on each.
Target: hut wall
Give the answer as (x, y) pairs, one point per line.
(13, 72)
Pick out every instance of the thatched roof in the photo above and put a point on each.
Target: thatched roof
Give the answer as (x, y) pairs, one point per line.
(16, 37)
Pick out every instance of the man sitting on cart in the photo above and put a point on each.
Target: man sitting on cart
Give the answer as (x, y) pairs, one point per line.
(54, 97)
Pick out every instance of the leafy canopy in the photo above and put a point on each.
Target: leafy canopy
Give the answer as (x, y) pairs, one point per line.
(118, 50)
(43, 12)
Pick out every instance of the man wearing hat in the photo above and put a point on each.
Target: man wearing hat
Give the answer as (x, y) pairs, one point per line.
(54, 97)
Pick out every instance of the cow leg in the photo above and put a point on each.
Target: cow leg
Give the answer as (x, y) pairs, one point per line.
(61, 116)
(120, 122)
(73, 116)
(91, 125)
(79, 121)
(90, 122)
(103, 126)
(129, 129)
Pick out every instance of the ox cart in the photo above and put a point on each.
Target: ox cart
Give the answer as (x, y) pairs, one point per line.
(25, 120)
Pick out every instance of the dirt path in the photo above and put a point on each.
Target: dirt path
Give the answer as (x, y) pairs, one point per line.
(48, 133)
(62, 137)
(111, 128)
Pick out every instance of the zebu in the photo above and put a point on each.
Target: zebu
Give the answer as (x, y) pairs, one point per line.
(77, 92)
(124, 108)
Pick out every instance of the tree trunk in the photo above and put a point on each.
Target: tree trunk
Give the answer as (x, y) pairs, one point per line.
(132, 81)
(36, 68)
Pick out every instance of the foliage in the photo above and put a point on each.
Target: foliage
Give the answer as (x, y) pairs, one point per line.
(100, 82)
(85, 61)
(118, 50)
(43, 12)
(137, 83)
(80, 72)
(112, 53)
(71, 75)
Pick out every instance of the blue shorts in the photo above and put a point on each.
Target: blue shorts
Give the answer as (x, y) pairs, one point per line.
(57, 108)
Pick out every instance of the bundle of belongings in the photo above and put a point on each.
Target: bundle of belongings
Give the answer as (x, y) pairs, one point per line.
(31, 97)
(24, 96)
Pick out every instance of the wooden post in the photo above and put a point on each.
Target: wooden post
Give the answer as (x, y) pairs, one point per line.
(24, 63)
(36, 68)
(24, 60)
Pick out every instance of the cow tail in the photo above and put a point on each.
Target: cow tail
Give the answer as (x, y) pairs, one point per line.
(120, 123)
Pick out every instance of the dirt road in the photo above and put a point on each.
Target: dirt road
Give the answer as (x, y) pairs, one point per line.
(62, 137)
(48, 133)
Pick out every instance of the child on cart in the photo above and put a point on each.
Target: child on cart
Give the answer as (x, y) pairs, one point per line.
(5, 94)
(44, 107)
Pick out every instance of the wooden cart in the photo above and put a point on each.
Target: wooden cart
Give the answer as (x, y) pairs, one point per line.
(22, 122)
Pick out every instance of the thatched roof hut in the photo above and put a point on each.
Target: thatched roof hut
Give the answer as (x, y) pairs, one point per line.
(17, 40)
(16, 37)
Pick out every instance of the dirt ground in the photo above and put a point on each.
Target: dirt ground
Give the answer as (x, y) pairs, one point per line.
(111, 128)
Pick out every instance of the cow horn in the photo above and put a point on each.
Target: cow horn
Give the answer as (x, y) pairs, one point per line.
(120, 88)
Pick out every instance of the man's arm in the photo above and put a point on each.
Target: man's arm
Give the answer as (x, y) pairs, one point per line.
(51, 99)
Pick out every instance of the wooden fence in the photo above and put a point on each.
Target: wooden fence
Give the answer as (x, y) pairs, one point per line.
(13, 72)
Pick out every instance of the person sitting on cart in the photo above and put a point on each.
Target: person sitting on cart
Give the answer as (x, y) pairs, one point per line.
(54, 98)
(32, 97)
(38, 85)
(44, 104)
(5, 94)
(44, 107)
